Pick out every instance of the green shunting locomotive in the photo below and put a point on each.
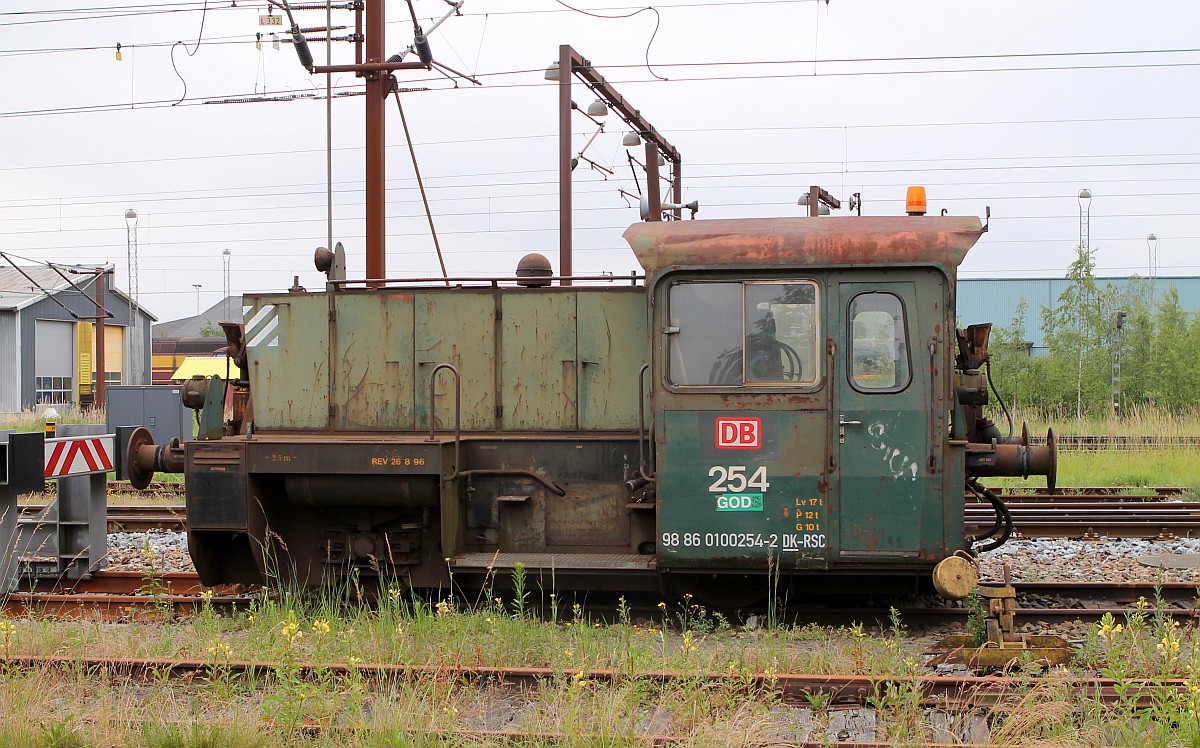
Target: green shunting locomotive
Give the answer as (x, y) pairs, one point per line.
(775, 401)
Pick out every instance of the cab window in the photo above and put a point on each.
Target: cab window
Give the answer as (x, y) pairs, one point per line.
(754, 333)
(878, 347)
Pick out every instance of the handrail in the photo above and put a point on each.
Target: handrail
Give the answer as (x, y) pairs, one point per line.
(553, 487)
(642, 424)
(457, 412)
(543, 281)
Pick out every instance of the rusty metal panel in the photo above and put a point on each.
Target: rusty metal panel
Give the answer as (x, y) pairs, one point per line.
(288, 343)
(591, 514)
(539, 361)
(792, 242)
(373, 373)
(456, 327)
(612, 349)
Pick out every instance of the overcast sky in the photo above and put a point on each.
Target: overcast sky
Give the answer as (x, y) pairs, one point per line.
(1012, 105)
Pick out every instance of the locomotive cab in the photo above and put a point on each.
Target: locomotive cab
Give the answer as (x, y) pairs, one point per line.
(803, 377)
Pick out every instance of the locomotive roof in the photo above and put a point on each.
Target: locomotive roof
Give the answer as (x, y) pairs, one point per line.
(786, 242)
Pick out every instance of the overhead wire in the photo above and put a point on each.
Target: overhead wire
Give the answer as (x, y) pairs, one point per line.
(653, 34)
(513, 230)
(199, 38)
(159, 103)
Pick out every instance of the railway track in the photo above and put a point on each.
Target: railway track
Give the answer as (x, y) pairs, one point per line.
(961, 710)
(1080, 512)
(1139, 518)
(123, 595)
(1119, 443)
(795, 689)
(1093, 520)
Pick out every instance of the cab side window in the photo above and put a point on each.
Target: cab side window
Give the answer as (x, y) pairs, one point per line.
(878, 350)
(761, 333)
(781, 333)
(707, 320)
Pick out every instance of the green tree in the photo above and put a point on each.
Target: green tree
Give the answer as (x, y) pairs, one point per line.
(1077, 373)
(1136, 342)
(209, 330)
(1172, 359)
(1012, 367)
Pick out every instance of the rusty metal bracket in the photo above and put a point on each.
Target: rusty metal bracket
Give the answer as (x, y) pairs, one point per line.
(1004, 646)
(553, 487)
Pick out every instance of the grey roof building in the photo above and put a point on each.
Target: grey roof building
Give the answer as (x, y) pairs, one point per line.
(48, 338)
(227, 310)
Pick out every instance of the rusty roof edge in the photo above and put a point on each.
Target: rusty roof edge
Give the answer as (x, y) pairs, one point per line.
(799, 242)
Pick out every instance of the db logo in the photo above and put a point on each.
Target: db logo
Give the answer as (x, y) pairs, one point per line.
(739, 433)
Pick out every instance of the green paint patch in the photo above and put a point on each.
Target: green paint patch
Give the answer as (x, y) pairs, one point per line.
(740, 502)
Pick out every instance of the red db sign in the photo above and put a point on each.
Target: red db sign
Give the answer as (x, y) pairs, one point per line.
(739, 433)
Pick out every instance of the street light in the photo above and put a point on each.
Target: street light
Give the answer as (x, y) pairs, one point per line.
(226, 257)
(1085, 254)
(1152, 245)
(197, 286)
(135, 317)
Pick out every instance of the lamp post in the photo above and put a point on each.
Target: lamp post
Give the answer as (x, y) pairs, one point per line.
(197, 286)
(1152, 247)
(135, 317)
(1085, 214)
(226, 257)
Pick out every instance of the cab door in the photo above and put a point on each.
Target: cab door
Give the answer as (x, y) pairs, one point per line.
(882, 420)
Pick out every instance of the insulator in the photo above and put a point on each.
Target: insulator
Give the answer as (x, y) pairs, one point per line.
(421, 44)
(302, 50)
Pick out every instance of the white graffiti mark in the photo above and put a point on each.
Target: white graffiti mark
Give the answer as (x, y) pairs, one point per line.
(899, 464)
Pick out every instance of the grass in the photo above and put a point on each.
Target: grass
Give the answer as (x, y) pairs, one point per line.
(82, 707)
(1137, 421)
(1114, 468)
(30, 421)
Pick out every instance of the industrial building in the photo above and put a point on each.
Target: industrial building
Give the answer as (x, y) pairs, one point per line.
(48, 338)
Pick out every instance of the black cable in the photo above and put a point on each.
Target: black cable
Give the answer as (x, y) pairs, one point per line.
(988, 366)
(657, 23)
(199, 38)
(1003, 515)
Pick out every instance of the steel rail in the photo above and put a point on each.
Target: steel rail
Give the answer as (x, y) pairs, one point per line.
(1123, 443)
(795, 688)
(113, 607)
